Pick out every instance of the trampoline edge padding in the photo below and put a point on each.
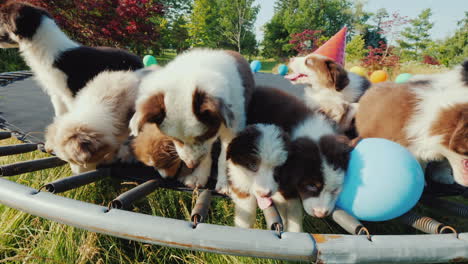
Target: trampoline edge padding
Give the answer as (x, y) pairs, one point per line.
(157, 230)
(235, 241)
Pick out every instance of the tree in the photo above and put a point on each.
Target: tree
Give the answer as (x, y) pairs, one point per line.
(295, 16)
(306, 42)
(355, 49)
(379, 58)
(203, 24)
(236, 19)
(119, 23)
(179, 35)
(416, 37)
(454, 49)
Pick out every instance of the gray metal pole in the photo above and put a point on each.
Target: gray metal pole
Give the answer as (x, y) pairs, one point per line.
(17, 149)
(30, 166)
(75, 181)
(126, 199)
(200, 210)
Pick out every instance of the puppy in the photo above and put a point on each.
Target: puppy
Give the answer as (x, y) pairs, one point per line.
(253, 161)
(207, 102)
(329, 85)
(428, 115)
(318, 157)
(157, 150)
(93, 131)
(61, 66)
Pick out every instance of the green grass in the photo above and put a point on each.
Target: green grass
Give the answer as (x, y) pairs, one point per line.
(28, 239)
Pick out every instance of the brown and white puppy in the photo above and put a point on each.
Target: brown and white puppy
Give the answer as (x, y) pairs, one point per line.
(199, 96)
(61, 66)
(318, 157)
(157, 150)
(428, 115)
(253, 161)
(329, 85)
(93, 131)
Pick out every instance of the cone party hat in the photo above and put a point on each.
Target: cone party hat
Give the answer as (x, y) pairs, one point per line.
(334, 48)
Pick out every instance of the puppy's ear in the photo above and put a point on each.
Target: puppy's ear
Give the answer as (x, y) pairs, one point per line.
(336, 149)
(153, 110)
(459, 139)
(86, 146)
(337, 75)
(211, 110)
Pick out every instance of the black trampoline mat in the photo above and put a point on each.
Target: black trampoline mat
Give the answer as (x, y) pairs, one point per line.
(24, 106)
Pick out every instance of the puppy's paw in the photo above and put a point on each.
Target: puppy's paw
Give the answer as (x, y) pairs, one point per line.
(222, 187)
(48, 147)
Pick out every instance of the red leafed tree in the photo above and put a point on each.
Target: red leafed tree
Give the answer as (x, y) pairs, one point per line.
(380, 57)
(430, 60)
(306, 42)
(130, 24)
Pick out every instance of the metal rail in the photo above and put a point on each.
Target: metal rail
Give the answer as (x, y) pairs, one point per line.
(236, 241)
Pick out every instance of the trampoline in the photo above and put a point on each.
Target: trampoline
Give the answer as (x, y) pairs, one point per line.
(24, 113)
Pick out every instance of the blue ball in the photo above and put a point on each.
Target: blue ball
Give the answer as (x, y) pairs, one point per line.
(383, 181)
(402, 78)
(255, 66)
(283, 69)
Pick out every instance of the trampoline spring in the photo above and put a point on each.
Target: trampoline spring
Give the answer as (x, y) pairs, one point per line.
(17, 149)
(421, 223)
(349, 223)
(75, 181)
(448, 206)
(273, 219)
(200, 210)
(5, 135)
(30, 166)
(126, 199)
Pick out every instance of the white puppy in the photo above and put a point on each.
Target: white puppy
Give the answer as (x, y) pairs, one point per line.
(93, 131)
(199, 96)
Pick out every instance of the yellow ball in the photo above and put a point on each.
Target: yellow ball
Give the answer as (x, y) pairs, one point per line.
(359, 71)
(378, 76)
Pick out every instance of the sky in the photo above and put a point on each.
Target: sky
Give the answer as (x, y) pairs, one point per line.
(445, 13)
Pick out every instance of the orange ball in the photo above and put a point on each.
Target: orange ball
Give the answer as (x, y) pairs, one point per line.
(378, 76)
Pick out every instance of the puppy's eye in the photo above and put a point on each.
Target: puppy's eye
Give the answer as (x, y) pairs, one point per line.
(311, 188)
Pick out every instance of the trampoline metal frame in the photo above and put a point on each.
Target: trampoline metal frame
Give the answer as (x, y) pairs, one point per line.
(319, 248)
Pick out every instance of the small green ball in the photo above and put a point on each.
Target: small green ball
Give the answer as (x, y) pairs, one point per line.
(402, 78)
(149, 60)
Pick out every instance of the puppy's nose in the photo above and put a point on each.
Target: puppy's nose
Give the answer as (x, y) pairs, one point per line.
(264, 193)
(320, 213)
(192, 164)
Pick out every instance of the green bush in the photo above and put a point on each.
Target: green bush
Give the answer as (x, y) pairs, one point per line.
(10, 60)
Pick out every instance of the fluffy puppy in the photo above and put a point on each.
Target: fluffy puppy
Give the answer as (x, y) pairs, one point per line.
(207, 102)
(93, 131)
(157, 150)
(428, 115)
(253, 160)
(329, 85)
(318, 157)
(61, 66)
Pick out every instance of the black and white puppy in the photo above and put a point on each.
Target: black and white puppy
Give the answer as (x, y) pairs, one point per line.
(199, 96)
(318, 156)
(253, 161)
(61, 66)
(330, 85)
